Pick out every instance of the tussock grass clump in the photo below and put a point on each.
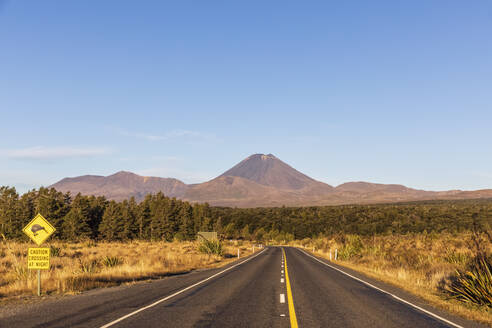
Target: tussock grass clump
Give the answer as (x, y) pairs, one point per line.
(473, 286)
(55, 251)
(88, 266)
(211, 247)
(457, 258)
(21, 273)
(111, 261)
(90, 244)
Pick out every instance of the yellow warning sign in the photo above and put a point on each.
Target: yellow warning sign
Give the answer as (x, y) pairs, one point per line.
(39, 229)
(38, 258)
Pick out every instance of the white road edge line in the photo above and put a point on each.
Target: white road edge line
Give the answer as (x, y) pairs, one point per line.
(178, 292)
(281, 280)
(388, 293)
(282, 298)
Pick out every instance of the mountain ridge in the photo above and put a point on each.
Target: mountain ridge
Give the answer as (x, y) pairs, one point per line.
(121, 185)
(257, 181)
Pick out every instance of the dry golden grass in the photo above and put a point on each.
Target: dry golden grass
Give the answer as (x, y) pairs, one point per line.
(416, 263)
(88, 265)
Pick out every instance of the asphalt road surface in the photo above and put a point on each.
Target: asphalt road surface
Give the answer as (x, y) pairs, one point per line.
(277, 287)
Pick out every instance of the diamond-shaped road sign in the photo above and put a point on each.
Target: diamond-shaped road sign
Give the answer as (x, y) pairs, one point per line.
(39, 229)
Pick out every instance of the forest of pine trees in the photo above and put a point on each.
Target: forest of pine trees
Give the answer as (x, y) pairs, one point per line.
(159, 217)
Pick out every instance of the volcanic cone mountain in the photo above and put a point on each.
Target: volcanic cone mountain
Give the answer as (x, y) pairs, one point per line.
(268, 170)
(260, 180)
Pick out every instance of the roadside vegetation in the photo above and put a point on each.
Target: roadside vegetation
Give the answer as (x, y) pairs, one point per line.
(211, 247)
(76, 267)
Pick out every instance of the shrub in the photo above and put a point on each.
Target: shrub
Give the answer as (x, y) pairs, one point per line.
(457, 258)
(111, 261)
(88, 267)
(179, 236)
(475, 285)
(90, 244)
(211, 247)
(55, 251)
(352, 247)
(21, 273)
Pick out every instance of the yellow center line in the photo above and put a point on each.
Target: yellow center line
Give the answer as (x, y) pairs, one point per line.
(292, 311)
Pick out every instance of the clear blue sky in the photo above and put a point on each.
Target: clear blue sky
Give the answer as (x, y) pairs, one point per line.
(380, 91)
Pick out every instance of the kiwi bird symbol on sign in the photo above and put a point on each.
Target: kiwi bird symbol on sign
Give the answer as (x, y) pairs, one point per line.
(36, 228)
(39, 229)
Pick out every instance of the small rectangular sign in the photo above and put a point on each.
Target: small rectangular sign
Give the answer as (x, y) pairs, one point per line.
(206, 235)
(38, 258)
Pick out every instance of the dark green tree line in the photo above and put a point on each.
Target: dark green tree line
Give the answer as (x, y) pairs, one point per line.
(159, 217)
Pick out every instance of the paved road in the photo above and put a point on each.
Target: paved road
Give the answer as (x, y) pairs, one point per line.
(250, 294)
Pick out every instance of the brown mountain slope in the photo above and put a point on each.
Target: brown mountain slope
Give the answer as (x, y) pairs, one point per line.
(363, 187)
(241, 192)
(365, 192)
(235, 191)
(121, 185)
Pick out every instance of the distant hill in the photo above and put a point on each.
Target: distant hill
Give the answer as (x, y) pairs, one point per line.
(259, 180)
(121, 185)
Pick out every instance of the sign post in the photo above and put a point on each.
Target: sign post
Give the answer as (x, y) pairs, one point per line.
(39, 229)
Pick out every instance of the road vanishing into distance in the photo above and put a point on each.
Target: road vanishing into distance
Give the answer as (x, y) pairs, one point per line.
(276, 287)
